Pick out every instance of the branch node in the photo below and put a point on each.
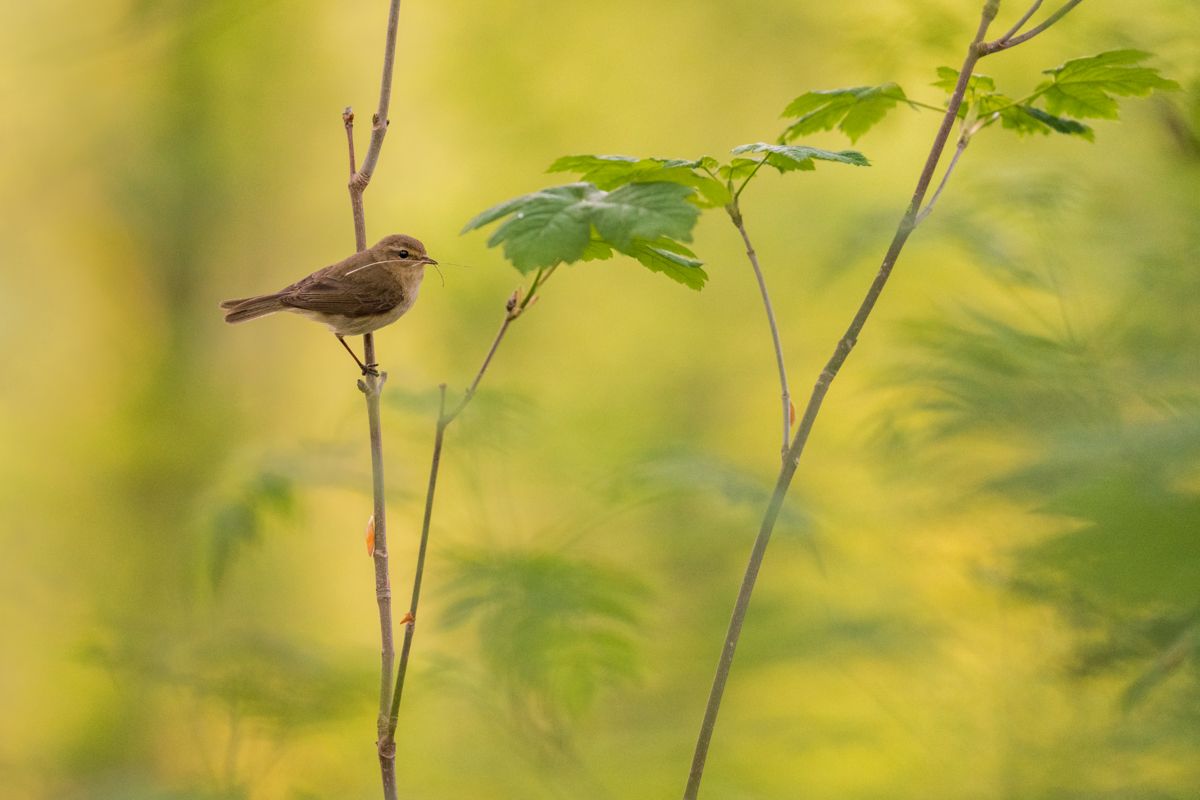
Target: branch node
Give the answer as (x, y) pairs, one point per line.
(348, 116)
(387, 749)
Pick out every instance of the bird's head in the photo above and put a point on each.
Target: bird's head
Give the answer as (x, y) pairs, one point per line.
(405, 252)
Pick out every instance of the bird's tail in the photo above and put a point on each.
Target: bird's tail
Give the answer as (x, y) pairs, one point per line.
(248, 308)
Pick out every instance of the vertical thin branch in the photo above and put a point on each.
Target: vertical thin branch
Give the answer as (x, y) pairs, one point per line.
(820, 388)
(735, 214)
(356, 195)
(371, 386)
(410, 619)
(512, 311)
(379, 123)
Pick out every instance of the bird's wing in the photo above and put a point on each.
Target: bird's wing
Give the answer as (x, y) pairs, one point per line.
(337, 294)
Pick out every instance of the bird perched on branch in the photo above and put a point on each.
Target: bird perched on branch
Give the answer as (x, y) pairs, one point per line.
(356, 296)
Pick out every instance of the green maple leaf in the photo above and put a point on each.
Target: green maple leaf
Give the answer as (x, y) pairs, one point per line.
(853, 111)
(581, 222)
(609, 172)
(1089, 87)
(981, 97)
(789, 157)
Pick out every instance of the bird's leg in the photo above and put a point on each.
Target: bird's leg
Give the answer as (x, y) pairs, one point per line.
(367, 369)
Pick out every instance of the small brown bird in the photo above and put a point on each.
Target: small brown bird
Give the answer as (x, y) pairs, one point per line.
(361, 294)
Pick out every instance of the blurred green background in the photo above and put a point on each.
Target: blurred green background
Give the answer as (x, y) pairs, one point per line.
(988, 581)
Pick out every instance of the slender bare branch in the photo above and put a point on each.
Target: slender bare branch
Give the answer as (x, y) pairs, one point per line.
(963, 141)
(1016, 28)
(735, 215)
(379, 123)
(513, 310)
(1007, 41)
(410, 619)
(356, 198)
(820, 388)
(371, 386)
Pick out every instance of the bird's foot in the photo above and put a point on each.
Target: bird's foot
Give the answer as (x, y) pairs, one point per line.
(370, 369)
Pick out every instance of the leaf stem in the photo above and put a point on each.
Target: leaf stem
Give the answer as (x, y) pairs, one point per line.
(917, 103)
(841, 351)
(735, 216)
(746, 182)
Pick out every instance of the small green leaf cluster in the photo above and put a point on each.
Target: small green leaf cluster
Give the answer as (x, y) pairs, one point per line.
(646, 208)
(1082, 88)
(642, 207)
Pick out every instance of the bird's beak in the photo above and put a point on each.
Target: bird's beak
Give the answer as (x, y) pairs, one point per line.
(430, 261)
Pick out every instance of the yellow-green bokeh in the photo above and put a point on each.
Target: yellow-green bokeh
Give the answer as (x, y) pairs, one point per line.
(932, 622)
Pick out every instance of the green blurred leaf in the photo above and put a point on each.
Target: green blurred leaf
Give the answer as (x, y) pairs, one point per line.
(694, 475)
(582, 222)
(1168, 661)
(239, 521)
(1089, 87)
(853, 111)
(553, 631)
(985, 374)
(253, 672)
(789, 157)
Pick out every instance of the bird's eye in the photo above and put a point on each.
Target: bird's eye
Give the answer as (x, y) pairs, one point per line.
(403, 254)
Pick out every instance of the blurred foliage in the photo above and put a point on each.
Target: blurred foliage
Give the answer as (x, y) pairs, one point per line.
(1106, 428)
(552, 631)
(992, 589)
